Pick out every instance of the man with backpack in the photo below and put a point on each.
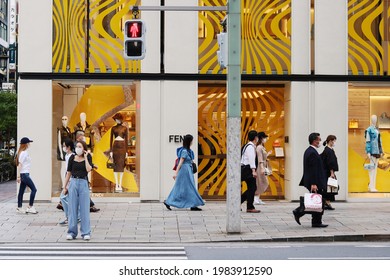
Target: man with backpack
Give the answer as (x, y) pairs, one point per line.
(248, 171)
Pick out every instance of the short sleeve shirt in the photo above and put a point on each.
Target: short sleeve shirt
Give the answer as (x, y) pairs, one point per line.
(25, 161)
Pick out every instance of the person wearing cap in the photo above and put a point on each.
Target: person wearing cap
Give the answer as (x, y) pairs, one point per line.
(248, 158)
(261, 180)
(23, 163)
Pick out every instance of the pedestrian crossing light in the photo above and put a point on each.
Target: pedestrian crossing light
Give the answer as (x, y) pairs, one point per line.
(222, 54)
(134, 39)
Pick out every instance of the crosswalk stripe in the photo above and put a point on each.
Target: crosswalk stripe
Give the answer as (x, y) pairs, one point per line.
(91, 252)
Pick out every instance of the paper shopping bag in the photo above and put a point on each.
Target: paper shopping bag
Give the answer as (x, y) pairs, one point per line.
(313, 202)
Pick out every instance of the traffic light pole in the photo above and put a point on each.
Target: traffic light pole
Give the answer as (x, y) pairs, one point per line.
(233, 193)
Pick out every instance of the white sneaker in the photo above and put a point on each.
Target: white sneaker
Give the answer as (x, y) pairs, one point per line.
(20, 210)
(256, 200)
(31, 210)
(87, 237)
(261, 202)
(69, 237)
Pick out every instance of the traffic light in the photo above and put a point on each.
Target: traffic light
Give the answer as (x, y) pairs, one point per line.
(222, 54)
(134, 39)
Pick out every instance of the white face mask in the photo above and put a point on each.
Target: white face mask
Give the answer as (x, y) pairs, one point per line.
(64, 149)
(79, 151)
(264, 140)
(118, 121)
(334, 144)
(83, 138)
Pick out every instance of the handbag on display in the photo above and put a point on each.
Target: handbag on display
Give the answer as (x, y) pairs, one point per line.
(313, 202)
(110, 164)
(370, 165)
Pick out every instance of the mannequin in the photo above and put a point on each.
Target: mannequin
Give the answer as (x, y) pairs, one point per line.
(63, 133)
(118, 148)
(374, 150)
(86, 127)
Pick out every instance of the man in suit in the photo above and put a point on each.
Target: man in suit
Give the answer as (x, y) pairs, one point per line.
(314, 179)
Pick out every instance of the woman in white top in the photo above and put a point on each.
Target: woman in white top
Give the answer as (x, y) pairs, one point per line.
(23, 163)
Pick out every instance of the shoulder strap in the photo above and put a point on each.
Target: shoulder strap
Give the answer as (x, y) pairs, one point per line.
(244, 148)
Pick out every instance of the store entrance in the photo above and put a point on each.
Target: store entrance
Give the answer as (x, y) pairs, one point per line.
(105, 117)
(262, 110)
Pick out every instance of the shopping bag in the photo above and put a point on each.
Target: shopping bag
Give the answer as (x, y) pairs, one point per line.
(332, 182)
(313, 202)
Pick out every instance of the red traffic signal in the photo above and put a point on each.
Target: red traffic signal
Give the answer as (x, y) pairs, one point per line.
(134, 39)
(134, 29)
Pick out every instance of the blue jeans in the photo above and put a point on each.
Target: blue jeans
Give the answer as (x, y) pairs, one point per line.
(25, 181)
(65, 204)
(78, 202)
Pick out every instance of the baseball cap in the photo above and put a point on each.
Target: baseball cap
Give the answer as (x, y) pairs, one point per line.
(25, 140)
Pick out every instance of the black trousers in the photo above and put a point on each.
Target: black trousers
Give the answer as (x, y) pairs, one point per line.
(316, 217)
(249, 194)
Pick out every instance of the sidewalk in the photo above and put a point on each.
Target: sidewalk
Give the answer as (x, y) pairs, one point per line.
(153, 223)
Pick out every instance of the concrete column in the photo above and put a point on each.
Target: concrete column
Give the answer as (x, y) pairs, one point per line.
(149, 102)
(181, 39)
(151, 63)
(331, 117)
(179, 116)
(331, 37)
(35, 36)
(35, 122)
(300, 37)
(298, 101)
(331, 98)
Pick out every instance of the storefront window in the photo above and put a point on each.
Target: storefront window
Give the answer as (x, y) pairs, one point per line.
(104, 116)
(365, 102)
(262, 110)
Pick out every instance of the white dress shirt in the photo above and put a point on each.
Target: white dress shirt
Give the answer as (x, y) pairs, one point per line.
(249, 156)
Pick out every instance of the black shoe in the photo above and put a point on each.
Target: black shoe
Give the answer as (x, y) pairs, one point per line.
(319, 225)
(297, 216)
(94, 209)
(168, 207)
(195, 209)
(328, 207)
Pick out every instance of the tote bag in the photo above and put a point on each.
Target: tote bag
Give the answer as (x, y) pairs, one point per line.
(313, 202)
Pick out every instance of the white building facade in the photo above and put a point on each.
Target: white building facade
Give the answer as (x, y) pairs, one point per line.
(302, 83)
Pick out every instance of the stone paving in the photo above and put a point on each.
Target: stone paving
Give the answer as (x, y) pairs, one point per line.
(152, 223)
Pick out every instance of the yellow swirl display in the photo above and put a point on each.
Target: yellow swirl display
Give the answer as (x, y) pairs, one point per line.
(266, 43)
(262, 110)
(365, 34)
(71, 42)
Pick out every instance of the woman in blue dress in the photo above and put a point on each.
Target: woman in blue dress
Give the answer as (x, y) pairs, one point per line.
(184, 193)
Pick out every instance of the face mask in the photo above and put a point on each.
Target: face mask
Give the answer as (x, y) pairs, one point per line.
(64, 149)
(65, 123)
(264, 140)
(83, 139)
(334, 144)
(118, 121)
(79, 151)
